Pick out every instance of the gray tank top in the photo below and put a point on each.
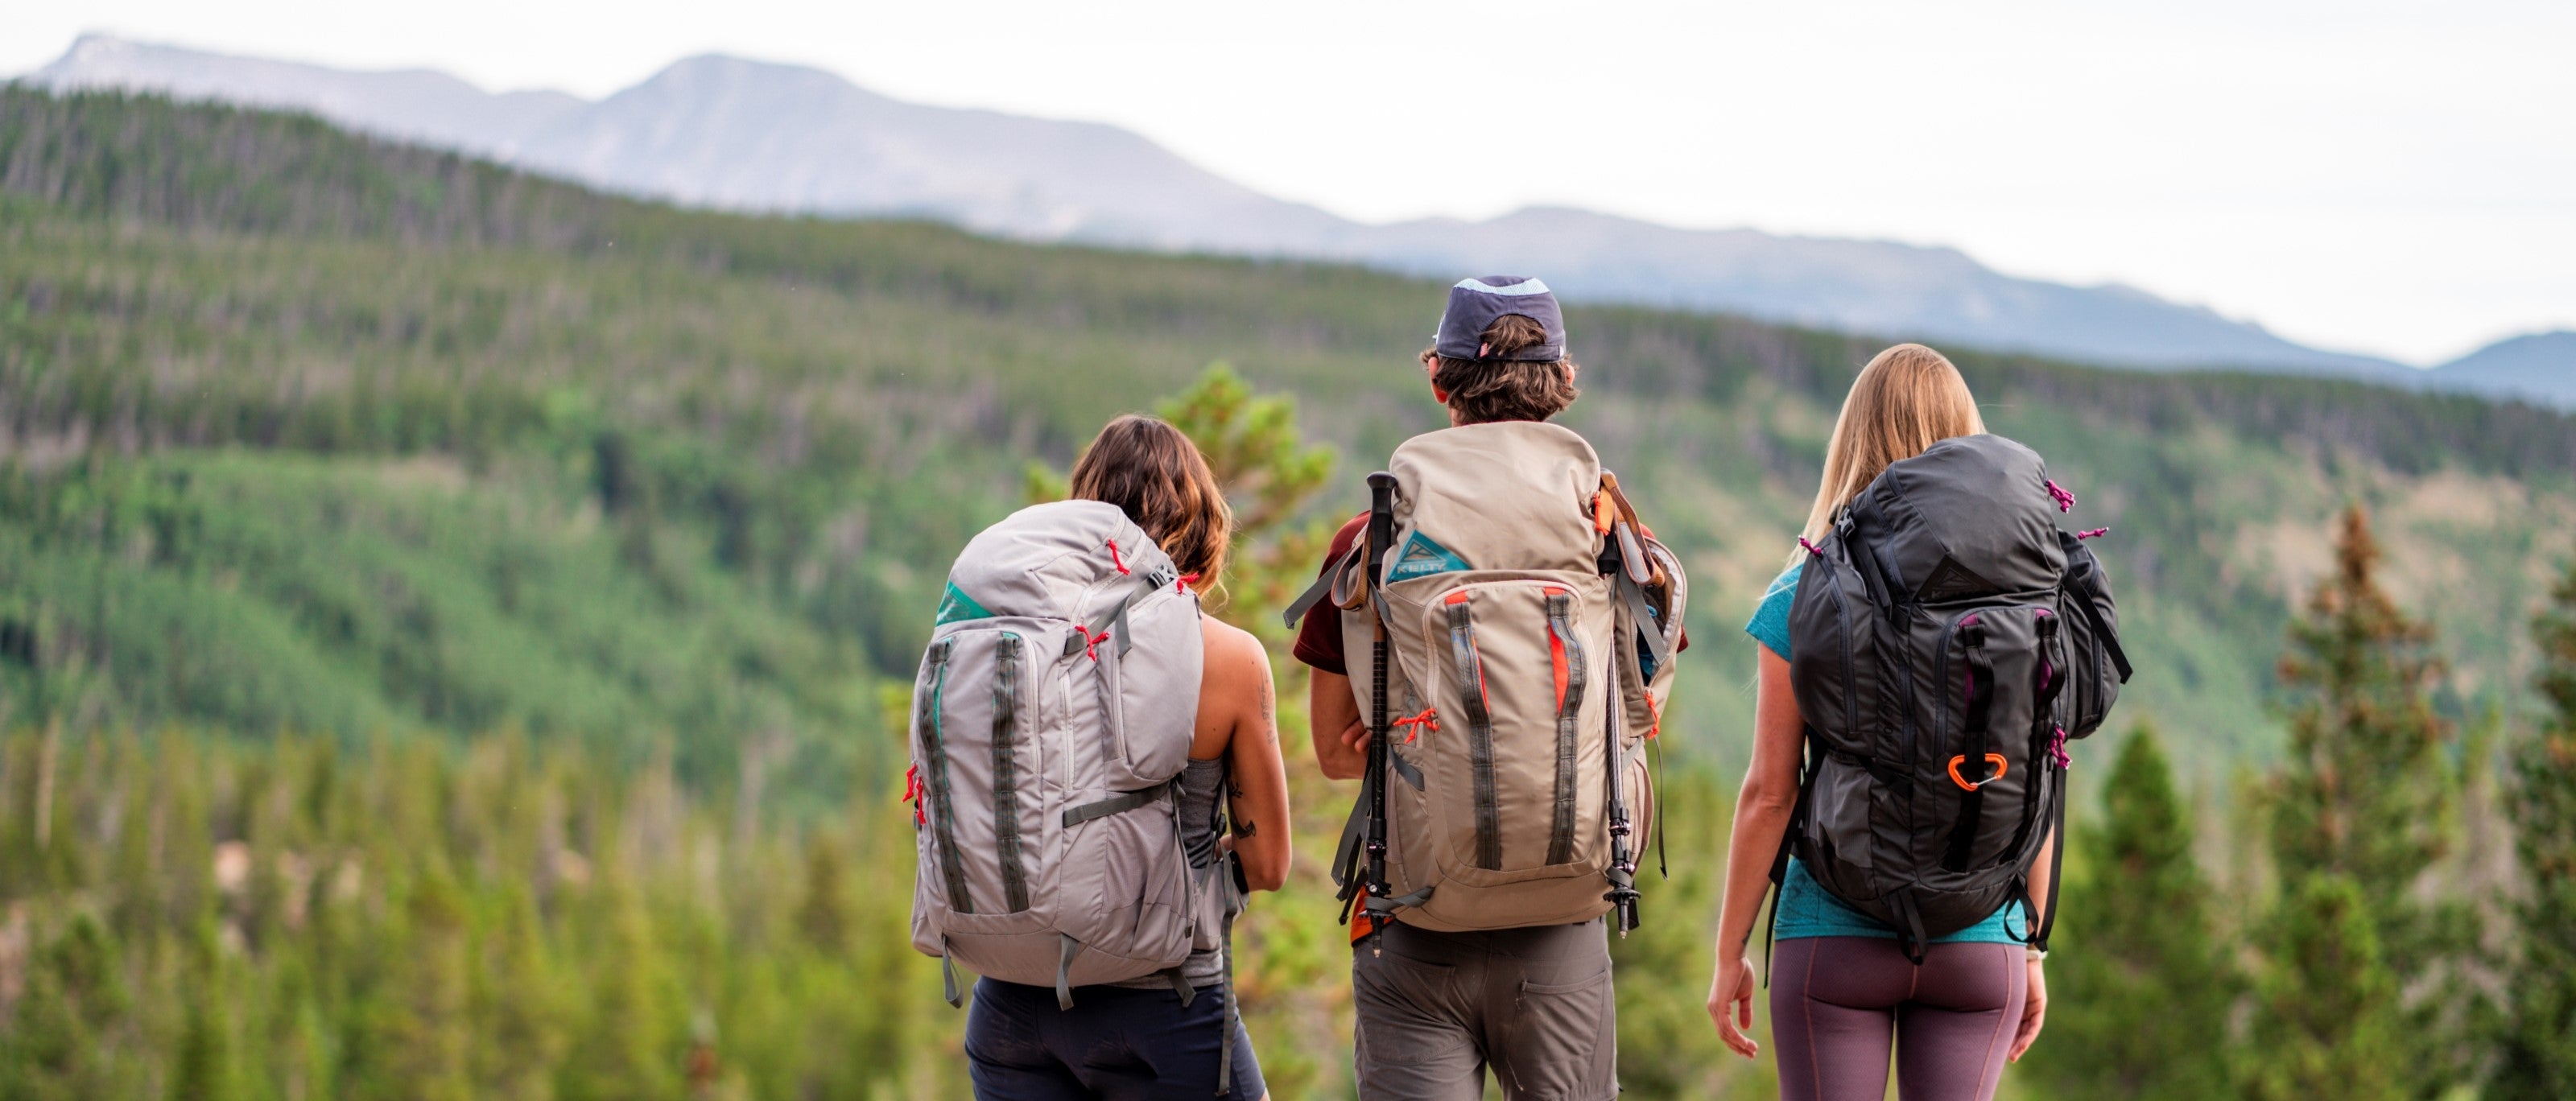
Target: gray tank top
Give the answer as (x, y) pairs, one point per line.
(1202, 783)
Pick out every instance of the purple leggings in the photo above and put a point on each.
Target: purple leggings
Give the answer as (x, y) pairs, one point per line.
(1836, 1002)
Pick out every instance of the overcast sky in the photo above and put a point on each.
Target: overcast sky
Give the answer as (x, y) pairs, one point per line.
(2395, 178)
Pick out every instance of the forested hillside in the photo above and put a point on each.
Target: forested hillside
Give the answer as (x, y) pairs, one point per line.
(308, 431)
(306, 435)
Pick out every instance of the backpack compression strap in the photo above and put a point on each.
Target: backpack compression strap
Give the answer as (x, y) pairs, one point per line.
(1121, 803)
(1972, 749)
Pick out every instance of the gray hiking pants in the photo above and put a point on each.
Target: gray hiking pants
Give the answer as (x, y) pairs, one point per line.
(1436, 1008)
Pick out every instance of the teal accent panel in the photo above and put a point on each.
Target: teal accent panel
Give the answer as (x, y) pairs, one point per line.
(1421, 557)
(957, 607)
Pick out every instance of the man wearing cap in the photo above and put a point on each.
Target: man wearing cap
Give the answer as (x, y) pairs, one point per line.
(1435, 1009)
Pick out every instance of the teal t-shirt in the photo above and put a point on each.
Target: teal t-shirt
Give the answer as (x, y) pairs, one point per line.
(1806, 909)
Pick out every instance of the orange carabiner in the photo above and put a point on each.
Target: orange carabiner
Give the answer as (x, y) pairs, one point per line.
(1996, 759)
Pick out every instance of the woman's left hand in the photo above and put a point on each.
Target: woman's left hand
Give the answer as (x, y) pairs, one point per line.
(2034, 1012)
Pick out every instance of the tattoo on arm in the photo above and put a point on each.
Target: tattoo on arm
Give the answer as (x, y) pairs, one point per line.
(1268, 716)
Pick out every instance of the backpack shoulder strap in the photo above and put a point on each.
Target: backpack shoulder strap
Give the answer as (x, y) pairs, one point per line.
(1324, 585)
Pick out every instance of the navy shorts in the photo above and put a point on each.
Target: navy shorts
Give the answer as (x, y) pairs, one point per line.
(1115, 1045)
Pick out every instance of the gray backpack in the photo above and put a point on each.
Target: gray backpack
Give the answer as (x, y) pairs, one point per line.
(1948, 639)
(1051, 721)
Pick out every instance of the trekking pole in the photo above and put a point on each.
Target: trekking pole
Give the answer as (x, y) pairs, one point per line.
(1622, 873)
(1381, 531)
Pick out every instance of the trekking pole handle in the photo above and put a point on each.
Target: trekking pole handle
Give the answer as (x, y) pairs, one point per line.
(1381, 524)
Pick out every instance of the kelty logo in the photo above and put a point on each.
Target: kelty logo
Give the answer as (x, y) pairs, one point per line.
(1421, 557)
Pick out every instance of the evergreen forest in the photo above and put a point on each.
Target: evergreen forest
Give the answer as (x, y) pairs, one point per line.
(456, 629)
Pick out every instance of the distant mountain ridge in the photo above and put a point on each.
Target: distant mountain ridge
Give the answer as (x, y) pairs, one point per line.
(2541, 366)
(730, 133)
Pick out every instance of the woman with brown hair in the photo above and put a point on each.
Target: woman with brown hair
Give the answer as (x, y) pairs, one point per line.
(1841, 987)
(1137, 1039)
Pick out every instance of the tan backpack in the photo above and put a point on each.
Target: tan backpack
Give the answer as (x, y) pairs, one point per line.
(1521, 639)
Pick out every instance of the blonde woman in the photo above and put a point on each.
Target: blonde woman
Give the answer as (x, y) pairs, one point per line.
(1842, 989)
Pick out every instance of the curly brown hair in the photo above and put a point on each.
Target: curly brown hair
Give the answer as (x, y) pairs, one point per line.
(1154, 474)
(1490, 389)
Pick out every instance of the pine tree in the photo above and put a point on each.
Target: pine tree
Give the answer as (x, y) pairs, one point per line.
(205, 1067)
(518, 1035)
(2360, 809)
(1255, 450)
(2364, 792)
(630, 1050)
(75, 995)
(2139, 999)
(2327, 1021)
(2538, 1050)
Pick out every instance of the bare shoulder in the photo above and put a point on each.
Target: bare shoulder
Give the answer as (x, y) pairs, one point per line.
(1232, 652)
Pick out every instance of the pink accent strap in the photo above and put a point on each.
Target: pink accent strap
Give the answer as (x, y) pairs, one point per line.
(2095, 533)
(1114, 560)
(2057, 750)
(2065, 501)
(1811, 547)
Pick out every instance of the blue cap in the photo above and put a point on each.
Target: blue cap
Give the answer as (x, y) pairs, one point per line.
(1475, 303)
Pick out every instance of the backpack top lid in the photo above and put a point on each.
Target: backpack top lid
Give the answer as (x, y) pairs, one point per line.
(1044, 560)
(1971, 516)
(1502, 494)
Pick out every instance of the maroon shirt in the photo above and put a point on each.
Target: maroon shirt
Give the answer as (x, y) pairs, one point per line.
(1319, 637)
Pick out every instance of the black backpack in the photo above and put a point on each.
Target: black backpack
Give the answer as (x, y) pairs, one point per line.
(1949, 639)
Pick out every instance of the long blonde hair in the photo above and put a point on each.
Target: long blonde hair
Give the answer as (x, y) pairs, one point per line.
(1908, 398)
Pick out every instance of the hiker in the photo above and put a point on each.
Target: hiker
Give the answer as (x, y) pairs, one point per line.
(1106, 962)
(1497, 722)
(1906, 884)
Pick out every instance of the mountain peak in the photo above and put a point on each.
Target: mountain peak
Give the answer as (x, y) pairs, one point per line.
(724, 131)
(2538, 365)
